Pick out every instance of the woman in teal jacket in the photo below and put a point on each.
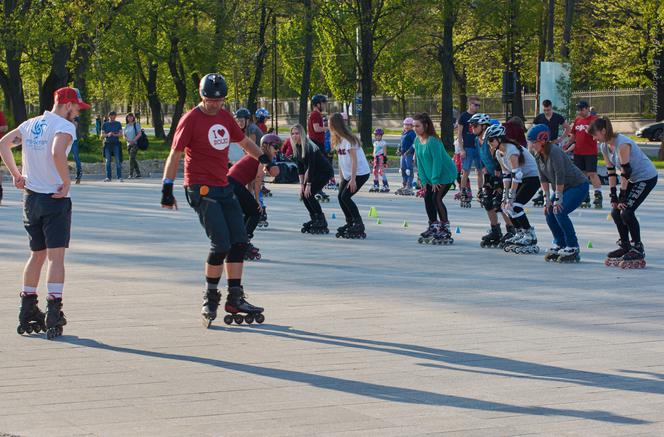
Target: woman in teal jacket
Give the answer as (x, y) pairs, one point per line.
(437, 172)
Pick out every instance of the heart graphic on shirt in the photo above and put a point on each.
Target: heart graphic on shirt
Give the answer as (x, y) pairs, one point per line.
(219, 137)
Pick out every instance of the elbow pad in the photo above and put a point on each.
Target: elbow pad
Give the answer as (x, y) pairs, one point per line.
(627, 170)
(612, 172)
(517, 175)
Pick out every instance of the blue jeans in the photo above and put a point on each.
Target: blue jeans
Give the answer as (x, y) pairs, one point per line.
(77, 158)
(407, 170)
(560, 224)
(472, 159)
(111, 150)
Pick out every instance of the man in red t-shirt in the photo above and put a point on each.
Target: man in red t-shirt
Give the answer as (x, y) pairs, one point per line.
(204, 135)
(315, 126)
(584, 147)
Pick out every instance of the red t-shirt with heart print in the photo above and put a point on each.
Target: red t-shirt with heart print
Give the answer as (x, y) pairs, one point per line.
(205, 140)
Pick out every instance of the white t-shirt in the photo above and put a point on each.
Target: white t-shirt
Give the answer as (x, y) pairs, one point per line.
(345, 162)
(529, 167)
(38, 134)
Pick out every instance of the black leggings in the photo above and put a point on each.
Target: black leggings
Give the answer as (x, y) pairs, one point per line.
(248, 204)
(311, 203)
(433, 202)
(625, 219)
(526, 191)
(345, 198)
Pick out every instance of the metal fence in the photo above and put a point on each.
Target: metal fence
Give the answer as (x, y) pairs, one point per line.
(636, 103)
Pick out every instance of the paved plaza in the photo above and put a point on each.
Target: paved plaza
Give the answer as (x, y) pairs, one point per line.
(381, 337)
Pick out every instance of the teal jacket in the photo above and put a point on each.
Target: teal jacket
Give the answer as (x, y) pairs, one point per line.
(434, 165)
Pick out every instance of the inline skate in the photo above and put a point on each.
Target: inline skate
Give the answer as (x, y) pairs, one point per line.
(30, 317)
(318, 225)
(614, 257)
(55, 318)
(466, 197)
(634, 259)
(211, 300)
(569, 255)
(510, 232)
(252, 253)
(492, 238)
(322, 197)
(332, 185)
(236, 305)
(586, 202)
(524, 242)
(551, 255)
(353, 231)
(597, 202)
(385, 188)
(539, 199)
(375, 188)
(262, 221)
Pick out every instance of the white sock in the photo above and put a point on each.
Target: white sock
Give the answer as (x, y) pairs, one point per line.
(28, 290)
(55, 291)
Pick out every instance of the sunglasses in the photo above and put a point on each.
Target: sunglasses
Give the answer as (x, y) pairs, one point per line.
(476, 104)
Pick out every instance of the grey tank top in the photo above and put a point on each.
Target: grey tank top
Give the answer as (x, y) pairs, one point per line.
(642, 168)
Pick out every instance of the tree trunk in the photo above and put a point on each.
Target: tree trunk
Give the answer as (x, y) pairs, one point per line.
(367, 62)
(16, 96)
(83, 53)
(308, 60)
(659, 78)
(259, 64)
(446, 59)
(567, 30)
(462, 82)
(550, 23)
(176, 68)
(517, 104)
(154, 102)
(57, 77)
(4, 84)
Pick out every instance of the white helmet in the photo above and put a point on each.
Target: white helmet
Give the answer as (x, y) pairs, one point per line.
(495, 131)
(480, 118)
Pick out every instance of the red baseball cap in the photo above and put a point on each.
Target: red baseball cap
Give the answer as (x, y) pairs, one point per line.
(69, 95)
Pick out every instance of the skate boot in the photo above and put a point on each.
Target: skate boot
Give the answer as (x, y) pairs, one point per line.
(443, 236)
(597, 203)
(306, 226)
(398, 191)
(539, 199)
(458, 195)
(211, 300)
(342, 229)
(385, 189)
(524, 242)
(492, 239)
(262, 221)
(614, 257)
(252, 253)
(375, 187)
(236, 305)
(552, 254)
(55, 318)
(426, 236)
(569, 255)
(322, 197)
(355, 230)
(466, 198)
(509, 234)
(586, 202)
(30, 317)
(320, 225)
(635, 258)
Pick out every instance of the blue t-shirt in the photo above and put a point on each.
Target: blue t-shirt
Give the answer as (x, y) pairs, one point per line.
(485, 155)
(112, 126)
(407, 141)
(468, 137)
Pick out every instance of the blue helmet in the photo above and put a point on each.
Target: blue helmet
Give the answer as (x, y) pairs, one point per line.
(379, 131)
(493, 122)
(243, 113)
(262, 113)
(539, 132)
(318, 98)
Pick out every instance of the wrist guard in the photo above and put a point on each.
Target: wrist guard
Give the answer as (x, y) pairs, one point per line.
(623, 196)
(614, 195)
(167, 198)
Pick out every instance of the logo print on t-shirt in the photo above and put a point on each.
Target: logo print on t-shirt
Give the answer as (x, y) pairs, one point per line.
(219, 137)
(38, 128)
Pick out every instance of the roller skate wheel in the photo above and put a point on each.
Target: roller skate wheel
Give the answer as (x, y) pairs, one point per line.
(506, 248)
(228, 319)
(304, 231)
(238, 318)
(259, 318)
(28, 329)
(20, 330)
(248, 319)
(258, 256)
(420, 240)
(482, 244)
(537, 249)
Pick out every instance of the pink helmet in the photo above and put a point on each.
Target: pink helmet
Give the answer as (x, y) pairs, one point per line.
(407, 120)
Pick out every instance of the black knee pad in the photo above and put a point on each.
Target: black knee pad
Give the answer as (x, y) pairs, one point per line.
(615, 214)
(236, 254)
(216, 258)
(627, 216)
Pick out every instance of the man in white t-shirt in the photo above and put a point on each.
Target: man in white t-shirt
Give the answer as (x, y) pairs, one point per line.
(46, 142)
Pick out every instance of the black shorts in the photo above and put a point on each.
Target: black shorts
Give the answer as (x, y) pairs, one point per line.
(47, 220)
(220, 215)
(587, 163)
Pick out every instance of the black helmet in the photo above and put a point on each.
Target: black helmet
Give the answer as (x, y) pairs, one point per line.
(213, 86)
(243, 113)
(318, 98)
